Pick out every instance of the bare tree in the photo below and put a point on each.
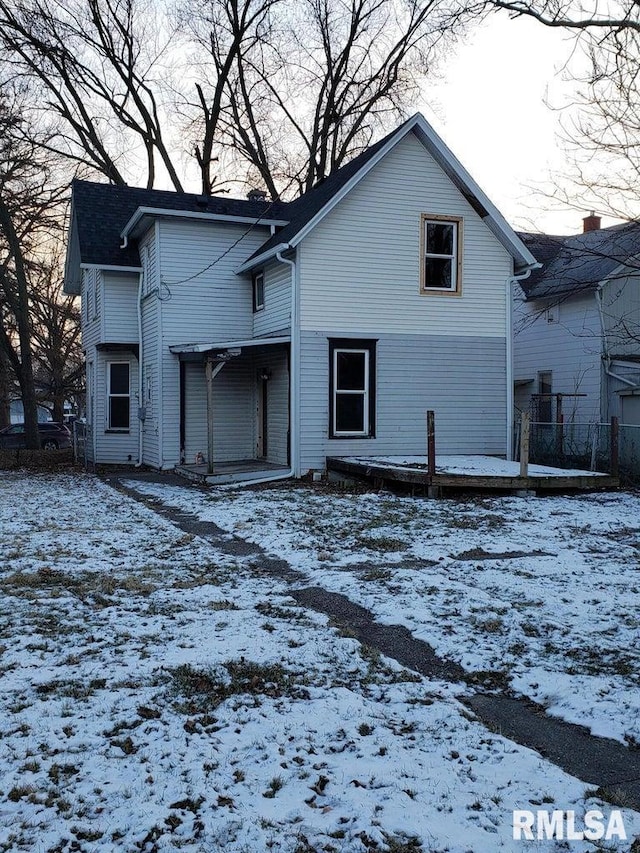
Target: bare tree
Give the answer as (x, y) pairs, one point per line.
(30, 218)
(57, 351)
(92, 65)
(312, 82)
(285, 90)
(617, 15)
(601, 129)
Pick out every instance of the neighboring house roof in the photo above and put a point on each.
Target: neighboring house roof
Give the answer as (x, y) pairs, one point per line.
(102, 210)
(578, 264)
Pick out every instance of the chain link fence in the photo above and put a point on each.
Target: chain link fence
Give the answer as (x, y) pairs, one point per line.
(82, 444)
(586, 447)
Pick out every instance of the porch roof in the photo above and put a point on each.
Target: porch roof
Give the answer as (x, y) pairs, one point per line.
(225, 346)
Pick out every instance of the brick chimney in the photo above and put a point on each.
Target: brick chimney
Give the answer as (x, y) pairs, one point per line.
(591, 223)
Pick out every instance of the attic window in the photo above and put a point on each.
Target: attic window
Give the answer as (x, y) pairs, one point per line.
(441, 254)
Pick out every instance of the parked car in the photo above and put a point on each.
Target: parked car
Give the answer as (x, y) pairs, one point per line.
(53, 436)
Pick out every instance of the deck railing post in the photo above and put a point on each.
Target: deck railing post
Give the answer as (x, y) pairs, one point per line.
(615, 447)
(559, 436)
(431, 445)
(524, 444)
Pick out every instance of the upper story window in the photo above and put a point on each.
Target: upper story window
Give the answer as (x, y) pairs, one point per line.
(258, 291)
(441, 254)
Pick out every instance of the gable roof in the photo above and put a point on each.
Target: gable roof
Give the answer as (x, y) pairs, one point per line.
(580, 263)
(311, 208)
(101, 211)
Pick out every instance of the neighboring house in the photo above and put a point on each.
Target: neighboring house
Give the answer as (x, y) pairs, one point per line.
(326, 326)
(17, 413)
(577, 326)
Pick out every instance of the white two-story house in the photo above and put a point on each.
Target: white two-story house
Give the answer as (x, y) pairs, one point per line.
(220, 330)
(577, 326)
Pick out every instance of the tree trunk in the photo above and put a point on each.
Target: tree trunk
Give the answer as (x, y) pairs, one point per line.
(5, 391)
(24, 370)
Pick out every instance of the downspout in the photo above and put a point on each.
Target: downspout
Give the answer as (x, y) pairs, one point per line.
(294, 367)
(605, 354)
(509, 355)
(140, 353)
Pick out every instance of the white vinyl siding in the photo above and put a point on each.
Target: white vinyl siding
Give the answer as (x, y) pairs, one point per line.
(119, 320)
(276, 314)
(233, 412)
(565, 340)
(114, 447)
(621, 315)
(214, 304)
(151, 358)
(360, 267)
(91, 333)
(276, 363)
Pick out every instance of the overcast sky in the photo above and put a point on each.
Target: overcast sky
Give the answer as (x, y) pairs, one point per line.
(490, 110)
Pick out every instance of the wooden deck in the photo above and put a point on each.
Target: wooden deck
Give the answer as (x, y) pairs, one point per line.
(414, 475)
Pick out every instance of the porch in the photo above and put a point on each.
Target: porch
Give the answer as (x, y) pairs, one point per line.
(238, 471)
(234, 410)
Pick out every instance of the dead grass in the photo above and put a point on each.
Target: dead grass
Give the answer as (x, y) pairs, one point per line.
(204, 689)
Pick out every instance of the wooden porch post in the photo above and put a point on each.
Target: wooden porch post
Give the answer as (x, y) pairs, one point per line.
(209, 375)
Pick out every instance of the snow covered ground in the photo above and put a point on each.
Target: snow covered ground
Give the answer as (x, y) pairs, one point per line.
(158, 695)
(476, 466)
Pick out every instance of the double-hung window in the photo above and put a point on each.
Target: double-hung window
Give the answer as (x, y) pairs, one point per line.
(352, 388)
(118, 395)
(441, 254)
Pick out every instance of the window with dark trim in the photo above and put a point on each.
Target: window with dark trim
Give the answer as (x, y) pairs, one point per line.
(352, 387)
(441, 254)
(118, 395)
(258, 291)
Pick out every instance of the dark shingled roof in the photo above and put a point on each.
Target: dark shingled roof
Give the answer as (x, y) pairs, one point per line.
(102, 210)
(577, 264)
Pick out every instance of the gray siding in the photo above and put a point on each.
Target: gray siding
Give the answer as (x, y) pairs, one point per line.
(118, 302)
(277, 405)
(621, 315)
(360, 267)
(152, 390)
(90, 323)
(215, 305)
(276, 314)
(562, 338)
(234, 416)
(462, 379)
(114, 448)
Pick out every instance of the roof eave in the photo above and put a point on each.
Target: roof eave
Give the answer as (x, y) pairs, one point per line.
(252, 263)
(157, 212)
